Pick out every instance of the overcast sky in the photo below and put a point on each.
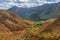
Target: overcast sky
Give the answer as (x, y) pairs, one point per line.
(5, 4)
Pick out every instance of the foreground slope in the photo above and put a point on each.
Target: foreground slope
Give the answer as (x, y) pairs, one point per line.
(10, 21)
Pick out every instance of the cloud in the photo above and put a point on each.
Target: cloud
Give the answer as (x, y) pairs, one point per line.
(5, 4)
(55, 1)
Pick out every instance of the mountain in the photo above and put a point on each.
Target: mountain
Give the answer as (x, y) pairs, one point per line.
(46, 11)
(21, 11)
(10, 21)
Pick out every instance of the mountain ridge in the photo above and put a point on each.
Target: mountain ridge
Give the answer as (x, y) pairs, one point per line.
(40, 12)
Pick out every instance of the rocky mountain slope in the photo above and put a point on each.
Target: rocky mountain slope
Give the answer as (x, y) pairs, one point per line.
(46, 11)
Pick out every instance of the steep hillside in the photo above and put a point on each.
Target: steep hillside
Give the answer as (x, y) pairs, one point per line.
(46, 11)
(51, 25)
(10, 21)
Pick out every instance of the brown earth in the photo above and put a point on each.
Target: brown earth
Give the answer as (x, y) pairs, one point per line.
(13, 27)
(10, 21)
(51, 25)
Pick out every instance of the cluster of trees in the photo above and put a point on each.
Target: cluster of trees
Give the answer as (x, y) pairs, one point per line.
(36, 24)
